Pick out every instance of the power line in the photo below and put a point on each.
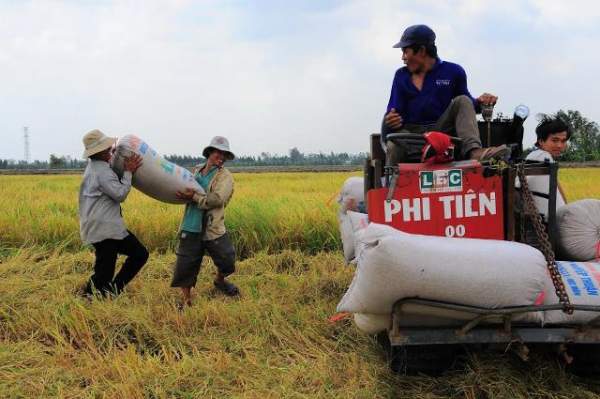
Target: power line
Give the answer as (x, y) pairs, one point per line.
(26, 143)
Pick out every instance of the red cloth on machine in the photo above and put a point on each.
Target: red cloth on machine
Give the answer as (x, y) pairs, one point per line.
(439, 148)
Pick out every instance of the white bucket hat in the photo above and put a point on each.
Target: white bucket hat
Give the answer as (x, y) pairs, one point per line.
(219, 143)
(95, 141)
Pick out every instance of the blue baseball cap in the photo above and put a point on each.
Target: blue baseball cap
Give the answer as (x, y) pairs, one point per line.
(416, 34)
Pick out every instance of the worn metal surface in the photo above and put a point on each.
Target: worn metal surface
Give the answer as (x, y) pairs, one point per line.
(505, 332)
(444, 336)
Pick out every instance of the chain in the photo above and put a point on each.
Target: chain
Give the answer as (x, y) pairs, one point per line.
(498, 164)
(545, 246)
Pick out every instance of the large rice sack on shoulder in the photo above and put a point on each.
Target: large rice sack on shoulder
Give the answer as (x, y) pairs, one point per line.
(352, 193)
(350, 223)
(579, 230)
(485, 273)
(157, 177)
(582, 282)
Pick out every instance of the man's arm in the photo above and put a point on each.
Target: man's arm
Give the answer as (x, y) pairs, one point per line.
(218, 197)
(111, 186)
(392, 120)
(110, 183)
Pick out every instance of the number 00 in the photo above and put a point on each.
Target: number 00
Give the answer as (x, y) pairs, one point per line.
(458, 231)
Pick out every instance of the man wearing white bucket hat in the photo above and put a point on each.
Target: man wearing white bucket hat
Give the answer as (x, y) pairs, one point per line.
(101, 222)
(203, 226)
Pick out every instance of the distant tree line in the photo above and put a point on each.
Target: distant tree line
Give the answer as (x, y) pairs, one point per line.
(584, 146)
(295, 157)
(54, 162)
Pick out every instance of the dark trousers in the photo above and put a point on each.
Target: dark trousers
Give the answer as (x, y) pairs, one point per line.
(191, 250)
(106, 260)
(459, 120)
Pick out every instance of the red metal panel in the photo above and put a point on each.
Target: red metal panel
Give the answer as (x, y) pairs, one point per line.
(453, 200)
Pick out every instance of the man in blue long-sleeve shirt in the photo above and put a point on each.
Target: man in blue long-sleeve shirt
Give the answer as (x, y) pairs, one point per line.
(431, 94)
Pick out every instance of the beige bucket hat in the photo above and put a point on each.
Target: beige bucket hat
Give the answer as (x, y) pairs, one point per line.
(220, 143)
(95, 141)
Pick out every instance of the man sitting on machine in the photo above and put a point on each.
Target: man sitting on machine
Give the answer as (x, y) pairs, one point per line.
(431, 94)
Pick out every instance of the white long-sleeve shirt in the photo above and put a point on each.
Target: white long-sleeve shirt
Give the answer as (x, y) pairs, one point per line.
(100, 196)
(541, 184)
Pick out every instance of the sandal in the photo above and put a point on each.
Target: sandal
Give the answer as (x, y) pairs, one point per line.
(227, 288)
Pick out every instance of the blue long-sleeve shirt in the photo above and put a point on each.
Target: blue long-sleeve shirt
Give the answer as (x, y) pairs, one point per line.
(442, 83)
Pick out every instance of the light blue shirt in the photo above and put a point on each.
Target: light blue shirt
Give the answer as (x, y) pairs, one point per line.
(193, 216)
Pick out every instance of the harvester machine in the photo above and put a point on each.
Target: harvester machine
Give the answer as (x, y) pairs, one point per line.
(471, 199)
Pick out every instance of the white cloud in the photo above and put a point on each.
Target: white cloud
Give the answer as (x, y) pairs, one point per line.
(179, 72)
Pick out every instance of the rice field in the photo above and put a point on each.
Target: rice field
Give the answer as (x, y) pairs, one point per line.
(269, 211)
(273, 342)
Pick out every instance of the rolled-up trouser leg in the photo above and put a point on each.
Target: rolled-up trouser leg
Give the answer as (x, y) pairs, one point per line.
(222, 252)
(395, 153)
(460, 120)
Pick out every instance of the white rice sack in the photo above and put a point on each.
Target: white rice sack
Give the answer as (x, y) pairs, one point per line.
(372, 323)
(353, 192)
(415, 315)
(581, 280)
(350, 224)
(157, 177)
(364, 238)
(579, 230)
(485, 273)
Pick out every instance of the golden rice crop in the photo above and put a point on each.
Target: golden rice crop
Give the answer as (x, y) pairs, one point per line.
(273, 342)
(269, 211)
(580, 183)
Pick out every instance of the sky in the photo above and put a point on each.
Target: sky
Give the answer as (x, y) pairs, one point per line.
(270, 75)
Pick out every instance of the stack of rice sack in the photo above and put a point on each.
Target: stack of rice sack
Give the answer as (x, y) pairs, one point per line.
(579, 230)
(581, 281)
(578, 240)
(392, 265)
(351, 200)
(157, 177)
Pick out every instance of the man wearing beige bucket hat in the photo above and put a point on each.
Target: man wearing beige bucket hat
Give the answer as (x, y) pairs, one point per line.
(100, 219)
(203, 226)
